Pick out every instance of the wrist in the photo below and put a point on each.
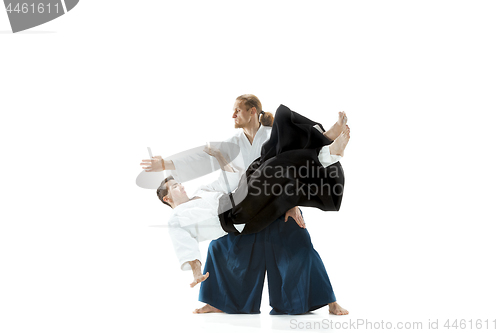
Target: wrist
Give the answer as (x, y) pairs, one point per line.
(163, 164)
(195, 265)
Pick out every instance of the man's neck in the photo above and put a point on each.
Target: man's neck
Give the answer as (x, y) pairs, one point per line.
(184, 201)
(251, 130)
(180, 202)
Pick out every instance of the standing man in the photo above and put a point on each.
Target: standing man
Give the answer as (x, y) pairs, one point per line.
(297, 278)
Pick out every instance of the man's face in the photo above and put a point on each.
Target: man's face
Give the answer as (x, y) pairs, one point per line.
(176, 192)
(241, 115)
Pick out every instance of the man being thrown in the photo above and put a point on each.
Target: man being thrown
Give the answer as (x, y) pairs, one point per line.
(297, 279)
(196, 219)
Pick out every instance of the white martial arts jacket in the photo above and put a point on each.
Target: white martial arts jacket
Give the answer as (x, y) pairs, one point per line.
(198, 220)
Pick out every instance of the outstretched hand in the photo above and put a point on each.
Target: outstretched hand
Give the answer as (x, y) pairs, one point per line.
(296, 215)
(212, 151)
(153, 165)
(198, 279)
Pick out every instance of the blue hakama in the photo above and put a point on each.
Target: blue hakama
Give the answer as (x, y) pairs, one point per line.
(297, 279)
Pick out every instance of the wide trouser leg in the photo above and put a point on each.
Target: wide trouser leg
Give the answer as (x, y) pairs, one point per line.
(237, 268)
(297, 279)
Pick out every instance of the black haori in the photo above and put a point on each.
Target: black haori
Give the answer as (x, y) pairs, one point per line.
(287, 174)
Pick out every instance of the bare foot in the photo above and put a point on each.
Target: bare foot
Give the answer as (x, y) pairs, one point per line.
(207, 309)
(336, 309)
(337, 128)
(338, 146)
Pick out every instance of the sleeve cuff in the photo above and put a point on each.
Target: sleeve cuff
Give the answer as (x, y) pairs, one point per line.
(326, 159)
(185, 266)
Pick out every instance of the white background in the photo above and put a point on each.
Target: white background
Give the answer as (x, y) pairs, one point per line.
(82, 97)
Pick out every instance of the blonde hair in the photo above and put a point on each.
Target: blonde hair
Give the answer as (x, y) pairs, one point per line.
(265, 118)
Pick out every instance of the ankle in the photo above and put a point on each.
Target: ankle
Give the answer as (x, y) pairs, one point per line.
(333, 149)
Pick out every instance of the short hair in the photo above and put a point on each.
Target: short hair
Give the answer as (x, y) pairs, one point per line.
(251, 101)
(163, 190)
